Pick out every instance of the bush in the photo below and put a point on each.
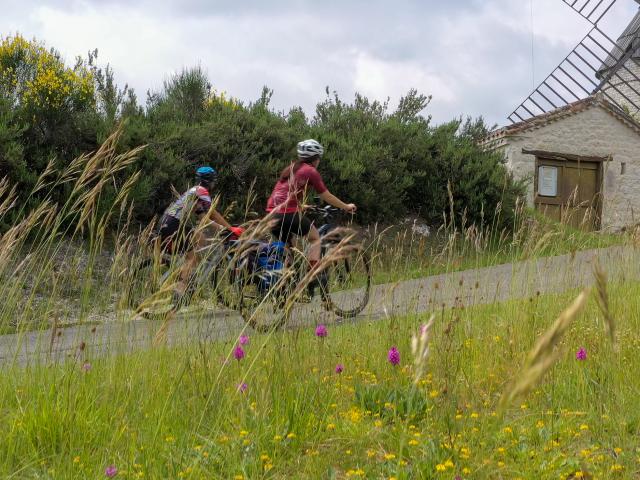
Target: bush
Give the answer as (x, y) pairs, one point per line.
(390, 163)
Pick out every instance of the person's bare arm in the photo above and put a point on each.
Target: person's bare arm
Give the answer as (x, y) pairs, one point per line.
(334, 201)
(214, 216)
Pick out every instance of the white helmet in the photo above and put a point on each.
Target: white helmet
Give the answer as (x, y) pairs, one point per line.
(309, 148)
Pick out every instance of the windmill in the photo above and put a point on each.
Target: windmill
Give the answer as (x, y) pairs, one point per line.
(597, 65)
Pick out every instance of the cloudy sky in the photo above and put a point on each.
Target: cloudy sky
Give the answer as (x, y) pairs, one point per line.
(473, 56)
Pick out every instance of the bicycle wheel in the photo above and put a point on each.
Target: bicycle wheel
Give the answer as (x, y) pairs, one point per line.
(226, 288)
(146, 278)
(346, 284)
(263, 299)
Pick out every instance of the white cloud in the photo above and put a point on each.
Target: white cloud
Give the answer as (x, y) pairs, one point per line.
(378, 78)
(473, 56)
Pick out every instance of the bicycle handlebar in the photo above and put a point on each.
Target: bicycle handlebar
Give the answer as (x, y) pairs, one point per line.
(325, 211)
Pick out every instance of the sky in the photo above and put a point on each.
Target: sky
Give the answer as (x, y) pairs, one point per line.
(475, 57)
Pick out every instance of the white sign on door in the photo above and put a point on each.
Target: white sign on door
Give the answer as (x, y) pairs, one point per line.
(548, 181)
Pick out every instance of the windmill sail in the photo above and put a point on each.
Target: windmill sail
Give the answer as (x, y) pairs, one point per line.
(596, 64)
(619, 73)
(592, 10)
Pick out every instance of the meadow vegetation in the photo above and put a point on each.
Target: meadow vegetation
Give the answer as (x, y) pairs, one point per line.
(451, 393)
(336, 403)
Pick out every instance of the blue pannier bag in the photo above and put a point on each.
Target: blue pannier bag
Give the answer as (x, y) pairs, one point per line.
(271, 256)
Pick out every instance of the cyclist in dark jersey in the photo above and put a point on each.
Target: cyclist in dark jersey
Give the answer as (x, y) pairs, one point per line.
(287, 199)
(177, 232)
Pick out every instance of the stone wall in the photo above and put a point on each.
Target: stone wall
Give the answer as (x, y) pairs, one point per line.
(592, 132)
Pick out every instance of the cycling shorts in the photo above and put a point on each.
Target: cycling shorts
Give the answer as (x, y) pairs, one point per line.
(287, 224)
(174, 236)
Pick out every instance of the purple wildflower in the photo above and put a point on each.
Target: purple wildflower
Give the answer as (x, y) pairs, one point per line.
(243, 387)
(86, 367)
(339, 368)
(111, 471)
(238, 353)
(581, 354)
(394, 356)
(244, 339)
(321, 331)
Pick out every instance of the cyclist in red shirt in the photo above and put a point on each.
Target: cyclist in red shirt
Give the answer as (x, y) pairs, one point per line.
(287, 199)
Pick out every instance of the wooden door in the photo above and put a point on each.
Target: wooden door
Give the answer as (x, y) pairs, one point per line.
(569, 191)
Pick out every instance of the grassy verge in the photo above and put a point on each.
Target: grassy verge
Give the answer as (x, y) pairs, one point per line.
(297, 405)
(401, 254)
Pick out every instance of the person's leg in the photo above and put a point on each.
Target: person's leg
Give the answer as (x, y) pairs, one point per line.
(193, 241)
(314, 246)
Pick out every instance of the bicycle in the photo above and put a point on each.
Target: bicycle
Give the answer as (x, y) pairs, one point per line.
(264, 280)
(267, 285)
(154, 273)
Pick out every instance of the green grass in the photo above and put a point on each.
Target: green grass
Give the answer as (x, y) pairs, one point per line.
(177, 413)
(401, 255)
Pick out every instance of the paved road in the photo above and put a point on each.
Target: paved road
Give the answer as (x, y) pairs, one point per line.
(207, 323)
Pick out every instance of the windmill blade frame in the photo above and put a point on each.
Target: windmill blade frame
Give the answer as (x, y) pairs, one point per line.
(592, 10)
(596, 64)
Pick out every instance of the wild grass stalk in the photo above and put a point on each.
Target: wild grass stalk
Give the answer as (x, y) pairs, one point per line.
(544, 354)
(602, 298)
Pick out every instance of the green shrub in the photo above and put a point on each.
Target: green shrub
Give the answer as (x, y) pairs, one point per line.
(390, 163)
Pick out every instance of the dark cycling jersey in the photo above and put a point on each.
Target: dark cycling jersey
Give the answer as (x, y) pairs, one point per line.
(196, 199)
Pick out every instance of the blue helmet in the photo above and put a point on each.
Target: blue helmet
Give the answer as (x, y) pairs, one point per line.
(207, 174)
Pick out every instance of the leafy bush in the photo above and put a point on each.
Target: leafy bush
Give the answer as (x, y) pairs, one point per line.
(390, 163)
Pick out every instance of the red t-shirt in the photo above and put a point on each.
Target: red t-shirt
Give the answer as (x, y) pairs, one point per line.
(289, 193)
